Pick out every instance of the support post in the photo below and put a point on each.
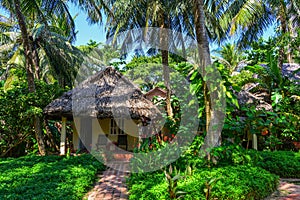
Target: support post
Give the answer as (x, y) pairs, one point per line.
(254, 141)
(63, 137)
(75, 137)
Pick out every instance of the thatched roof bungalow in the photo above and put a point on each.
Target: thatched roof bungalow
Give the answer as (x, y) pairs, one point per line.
(106, 105)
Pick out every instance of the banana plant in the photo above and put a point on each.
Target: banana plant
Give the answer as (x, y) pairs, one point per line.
(172, 180)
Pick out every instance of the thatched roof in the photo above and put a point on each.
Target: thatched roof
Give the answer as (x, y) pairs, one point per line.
(291, 71)
(260, 98)
(107, 94)
(155, 92)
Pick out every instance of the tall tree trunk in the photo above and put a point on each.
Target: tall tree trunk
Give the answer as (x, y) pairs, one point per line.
(30, 77)
(213, 135)
(36, 61)
(164, 42)
(290, 50)
(182, 41)
(284, 25)
(166, 72)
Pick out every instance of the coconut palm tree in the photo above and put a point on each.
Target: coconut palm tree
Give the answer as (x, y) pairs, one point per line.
(51, 37)
(29, 69)
(143, 14)
(230, 56)
(213, 137)
(251, 18)
(97, 56)
(32, 19)
(203, 21)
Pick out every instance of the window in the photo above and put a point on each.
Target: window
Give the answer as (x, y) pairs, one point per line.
(117, 127)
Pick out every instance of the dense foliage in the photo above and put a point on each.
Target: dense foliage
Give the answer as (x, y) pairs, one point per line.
(228, 182)
(231, 173)
(17, 108)
(262, 96)
(49, 177)
(283, 163)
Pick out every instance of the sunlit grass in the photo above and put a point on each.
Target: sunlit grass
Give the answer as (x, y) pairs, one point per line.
(50, 177)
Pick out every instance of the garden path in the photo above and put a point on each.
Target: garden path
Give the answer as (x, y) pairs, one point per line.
(287, 190)
(111, 183)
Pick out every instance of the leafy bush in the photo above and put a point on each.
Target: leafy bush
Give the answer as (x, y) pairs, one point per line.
(237, 174)
(230, 155)
(235, 182)
(147, 186)
(228, 182)
(193, 156)
(17, 108)
(49, 177)
(283, 163)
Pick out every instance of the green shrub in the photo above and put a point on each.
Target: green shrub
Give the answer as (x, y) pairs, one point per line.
(17, 108)
(285, 164)
(232, 182)
(147, 186)
(227, 182)
(48, 177)
(231, 154)
(193, 156)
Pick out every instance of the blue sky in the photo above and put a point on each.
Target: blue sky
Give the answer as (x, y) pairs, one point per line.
(86, 32)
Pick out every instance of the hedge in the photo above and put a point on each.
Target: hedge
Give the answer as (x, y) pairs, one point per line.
(285, 164)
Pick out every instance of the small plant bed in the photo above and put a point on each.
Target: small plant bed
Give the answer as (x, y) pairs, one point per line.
(226, 182)
(285, 164)
(48, 177)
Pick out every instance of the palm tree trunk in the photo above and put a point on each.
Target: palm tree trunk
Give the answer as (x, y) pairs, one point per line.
(26, 45)
(290, 50)
(283, 23)
(213, 135)
(164, 41)
(166, 72)
(36, 61)
(30, 77)
(182, 40)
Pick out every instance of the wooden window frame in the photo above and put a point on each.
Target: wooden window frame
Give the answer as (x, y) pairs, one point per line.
(117, 128)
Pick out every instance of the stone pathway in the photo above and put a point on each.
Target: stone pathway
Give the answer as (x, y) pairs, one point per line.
(287, 190)
(111, 184)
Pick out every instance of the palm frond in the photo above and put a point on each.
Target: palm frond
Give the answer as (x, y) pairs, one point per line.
(249, 19)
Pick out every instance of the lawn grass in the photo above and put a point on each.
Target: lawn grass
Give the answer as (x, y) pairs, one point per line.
(48, 177)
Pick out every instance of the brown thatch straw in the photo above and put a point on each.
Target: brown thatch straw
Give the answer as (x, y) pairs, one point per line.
(107, 94)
